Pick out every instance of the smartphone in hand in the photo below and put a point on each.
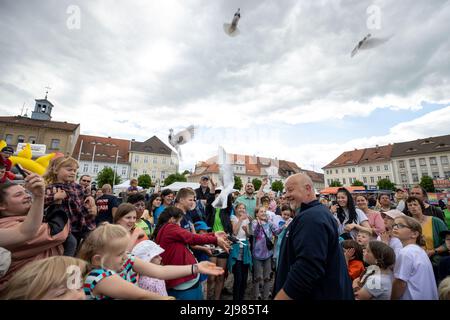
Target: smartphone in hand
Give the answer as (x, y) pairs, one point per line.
(21, 171)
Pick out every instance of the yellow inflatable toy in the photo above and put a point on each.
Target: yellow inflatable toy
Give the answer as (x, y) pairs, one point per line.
(24, 158)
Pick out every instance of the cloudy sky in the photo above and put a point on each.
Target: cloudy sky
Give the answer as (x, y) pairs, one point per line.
(285, 87)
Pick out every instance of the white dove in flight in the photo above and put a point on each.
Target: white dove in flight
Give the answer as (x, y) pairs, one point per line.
(226, 178)
(181, 137)
(369, 42)
(232, 29)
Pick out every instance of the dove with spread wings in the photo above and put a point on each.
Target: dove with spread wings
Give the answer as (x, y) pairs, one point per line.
(232, 29)
(369, 42)
(180, 138)
(226, 178)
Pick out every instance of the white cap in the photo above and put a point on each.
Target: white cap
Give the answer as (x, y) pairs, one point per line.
(394, 214)
(147, 250)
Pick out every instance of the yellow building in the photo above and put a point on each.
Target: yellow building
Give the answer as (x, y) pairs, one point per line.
(39, 129)
(152, 157)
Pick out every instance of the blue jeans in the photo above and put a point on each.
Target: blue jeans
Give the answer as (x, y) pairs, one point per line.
(189, 294)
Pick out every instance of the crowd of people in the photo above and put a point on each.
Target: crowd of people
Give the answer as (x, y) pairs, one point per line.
(61, 240)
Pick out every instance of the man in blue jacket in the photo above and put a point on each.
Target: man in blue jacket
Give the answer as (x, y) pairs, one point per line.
(311, 263)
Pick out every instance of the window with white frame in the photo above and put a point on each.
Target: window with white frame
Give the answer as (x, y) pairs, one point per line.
(155, 160)
(378, 168)
(422, 162)
(163, 175)
(146, 159)
(444, 160)
(95, 168)
(135, 173)
(412, 163)
(124, 171)
(343, 181)
(433, 161)
(86, 168)
(54, 144)
(136, 158)
(415, 177)
(365, 179)
(9, 139)
(20, 139)
(386, 167)
(372, 179)
(404, 178)
(363, 169)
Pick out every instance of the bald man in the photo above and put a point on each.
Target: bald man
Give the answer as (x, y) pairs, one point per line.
(311, 263)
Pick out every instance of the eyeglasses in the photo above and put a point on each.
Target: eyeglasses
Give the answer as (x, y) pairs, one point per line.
(400, 226)
(86, 180)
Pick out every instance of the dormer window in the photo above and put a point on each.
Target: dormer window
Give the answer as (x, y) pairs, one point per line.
(411, 150)
(427, 142)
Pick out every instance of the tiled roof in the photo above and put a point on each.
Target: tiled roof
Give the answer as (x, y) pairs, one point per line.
(152, 145)
(315, 176)
(105, 149)
(421, 146)
(379, 153)
(39, 123)
(348, 158)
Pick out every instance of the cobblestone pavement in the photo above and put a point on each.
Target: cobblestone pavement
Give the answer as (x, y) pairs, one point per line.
(227, 293)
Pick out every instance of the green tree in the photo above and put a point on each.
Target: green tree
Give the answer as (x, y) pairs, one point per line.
(335, 184)
(357, 183)
(237, 183)
(144, 181)
(277, 186)
(385, 184)
(426, 182)
(106, 175)
(257, 183)
(185, 172)
(174, 177)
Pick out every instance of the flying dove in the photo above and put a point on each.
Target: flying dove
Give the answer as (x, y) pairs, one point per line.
(232, 29)
(180, 138)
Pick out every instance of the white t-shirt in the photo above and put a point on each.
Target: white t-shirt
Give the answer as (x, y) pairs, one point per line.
(360, 217)
(414, 267)
(379, 285)
(395, 244)
(241, 233)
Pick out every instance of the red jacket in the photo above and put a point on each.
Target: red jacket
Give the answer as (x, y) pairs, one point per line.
(174, 240)
(8, 176)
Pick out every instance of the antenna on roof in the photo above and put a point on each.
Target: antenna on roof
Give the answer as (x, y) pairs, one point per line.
(46, 93)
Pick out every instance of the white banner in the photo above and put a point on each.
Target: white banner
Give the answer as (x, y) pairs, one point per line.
(36, 149)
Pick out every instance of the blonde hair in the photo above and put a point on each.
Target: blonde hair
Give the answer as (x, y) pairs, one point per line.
(37, 278)
(101, 241)
(51, 174)
(415, 226)
(444, 289)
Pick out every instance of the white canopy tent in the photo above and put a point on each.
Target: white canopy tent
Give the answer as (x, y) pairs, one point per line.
(176, 186)
(123, 186)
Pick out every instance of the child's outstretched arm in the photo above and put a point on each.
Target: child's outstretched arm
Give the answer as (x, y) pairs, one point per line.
(174, 272)
(118, 288)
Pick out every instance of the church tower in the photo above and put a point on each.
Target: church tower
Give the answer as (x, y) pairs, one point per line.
(42, 109)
